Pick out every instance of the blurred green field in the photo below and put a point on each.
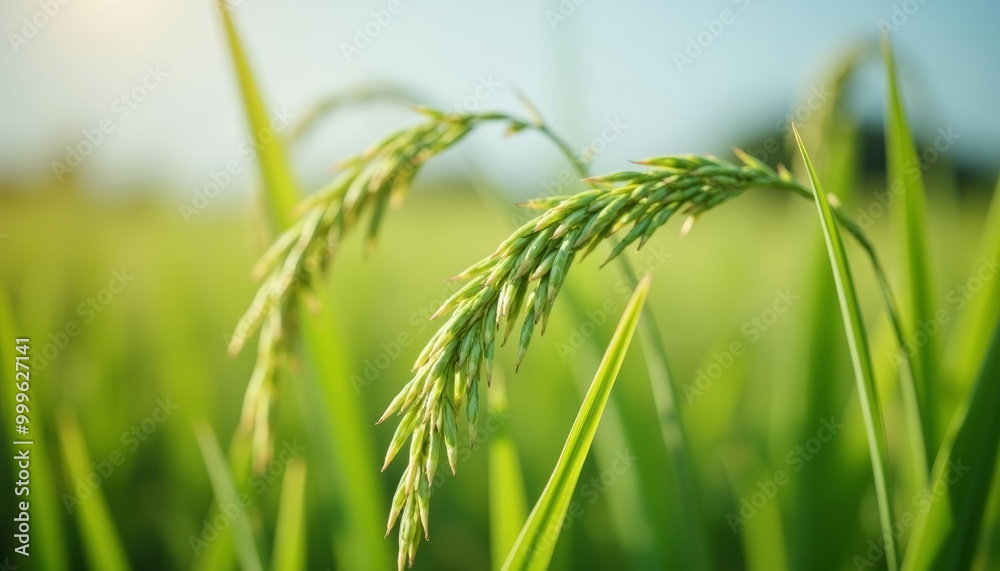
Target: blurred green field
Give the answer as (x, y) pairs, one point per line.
(163, 336)
(140, 458)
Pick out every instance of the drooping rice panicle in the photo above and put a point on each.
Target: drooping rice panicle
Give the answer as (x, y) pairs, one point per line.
(522, 279)
(516, 286)
(367, 185)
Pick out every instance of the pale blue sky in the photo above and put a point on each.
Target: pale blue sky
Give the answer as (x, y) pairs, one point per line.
(605, 61)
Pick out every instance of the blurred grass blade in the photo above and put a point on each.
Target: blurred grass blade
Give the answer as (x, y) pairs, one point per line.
(534, 546)
(279, 184)
(695, 553)
(945, 534)
(765, 541)
(906, 181)
(833, 134)
(290, 534)
(226, 495)
(332, 103)
(101, 543)
(359, 534)
(221, 553)
(508, 501)
(983, 310)
(338, 421)
(858, 343)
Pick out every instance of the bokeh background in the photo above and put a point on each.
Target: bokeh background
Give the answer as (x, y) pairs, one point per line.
(102, 247)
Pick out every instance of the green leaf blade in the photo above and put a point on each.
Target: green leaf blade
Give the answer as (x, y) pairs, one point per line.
(280, 188)
(536, 543)
(508, 500)
(906, 181)
(290, 535)
(102, 544)
(860, 356)
(226, 494)
(945, 535)
(972, 331)
(335, 412)
(666, 395)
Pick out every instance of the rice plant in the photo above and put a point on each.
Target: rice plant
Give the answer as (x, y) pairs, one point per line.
(516, 286)
(440, 408)
(525, 273)
(910, 482)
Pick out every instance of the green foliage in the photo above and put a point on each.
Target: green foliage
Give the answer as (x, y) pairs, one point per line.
(101, 541)
(696, 464)
(537, 541)
(857, 341)
(946, 534)
(905, 180)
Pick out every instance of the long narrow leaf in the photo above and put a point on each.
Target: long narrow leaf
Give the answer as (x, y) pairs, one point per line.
(508, 501)
(537, 541)
(945, 535)
(861, 359)
(226, 495)
(983, 309)
(101, 543)
(289, 534)
(906, 180)
(279, 185)
(334, 410)
(221, 553)
(823, 384)
(338, 420)
(695, 553)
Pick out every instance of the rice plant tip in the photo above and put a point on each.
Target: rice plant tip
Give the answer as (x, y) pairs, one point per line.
(523, 278)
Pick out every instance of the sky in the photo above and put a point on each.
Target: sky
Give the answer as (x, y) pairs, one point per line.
(150, 83)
